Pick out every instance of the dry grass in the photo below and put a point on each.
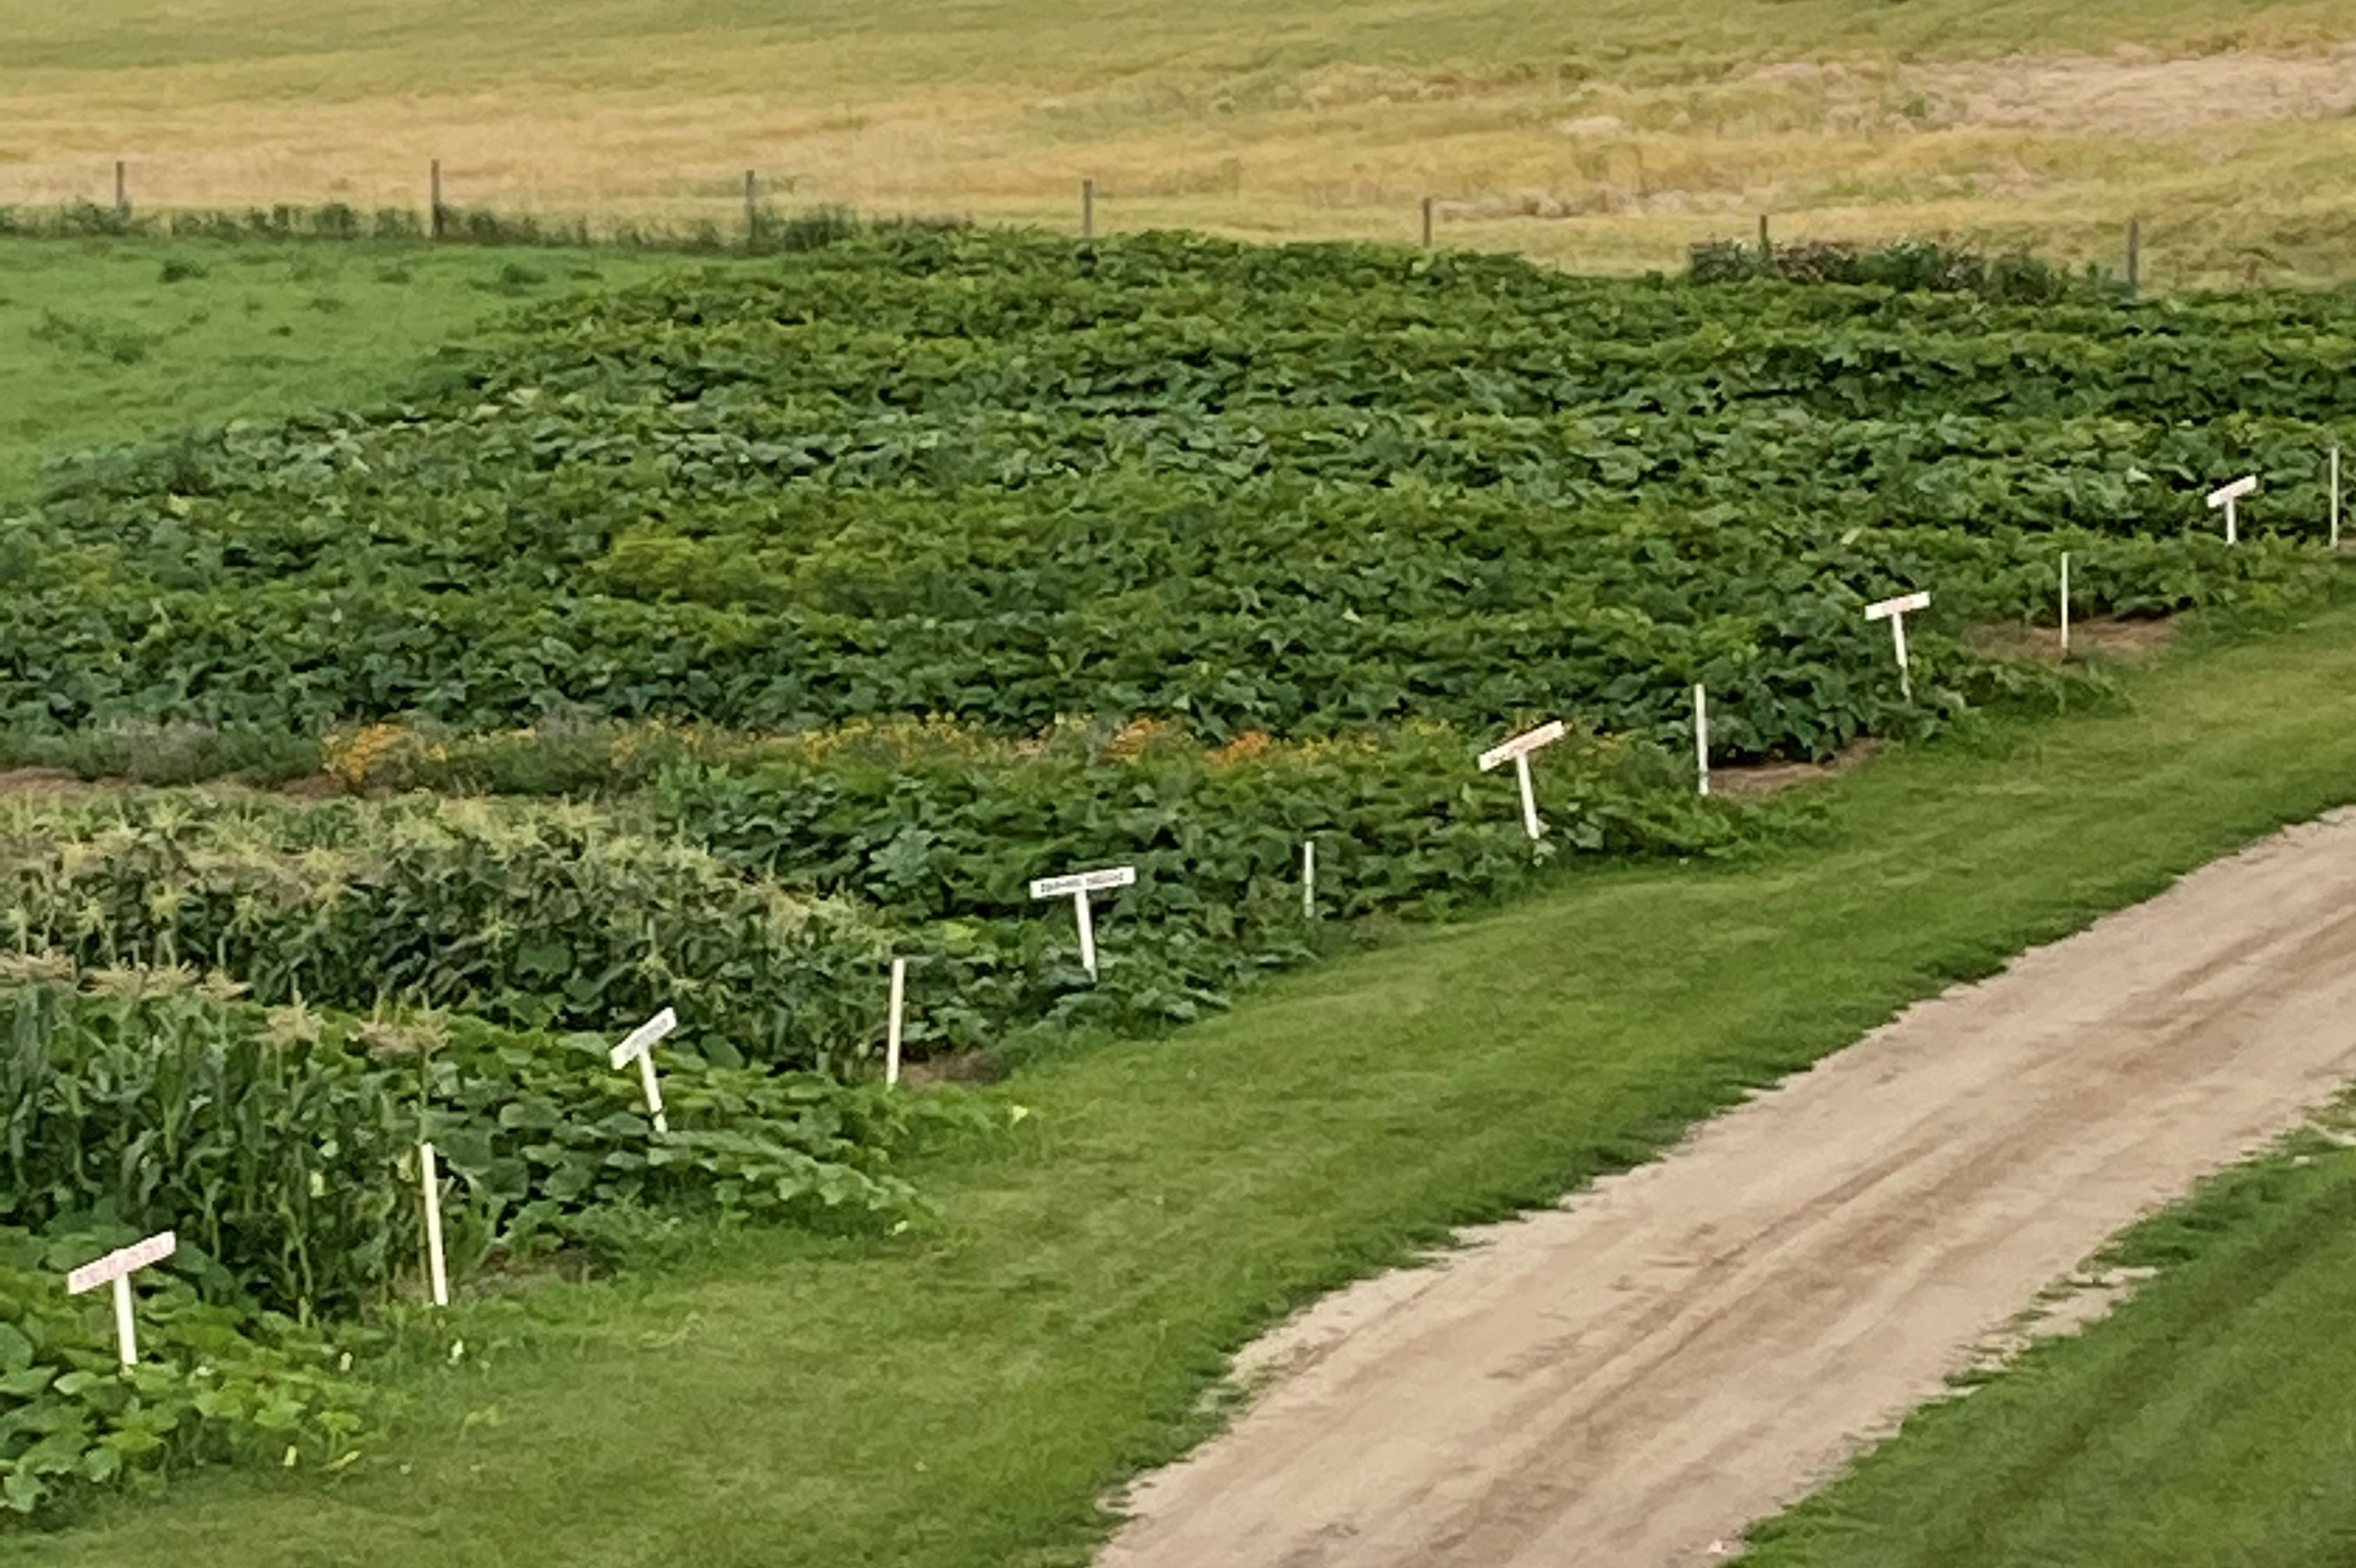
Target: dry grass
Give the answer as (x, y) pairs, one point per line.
(1610, 134)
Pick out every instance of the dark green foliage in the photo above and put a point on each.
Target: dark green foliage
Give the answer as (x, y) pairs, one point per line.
(1042, 556)
(279, 1143)
(1304, 490)
(1908, 265)
(69, 221)
(941, 833)
(816, 854)
(1163, 1203)
(812, 230)
(553, 1148)
(216, 1383)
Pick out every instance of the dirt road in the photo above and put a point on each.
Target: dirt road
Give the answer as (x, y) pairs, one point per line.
(1630, 1379)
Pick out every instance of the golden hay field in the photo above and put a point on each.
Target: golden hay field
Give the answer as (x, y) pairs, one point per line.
(1608, 136)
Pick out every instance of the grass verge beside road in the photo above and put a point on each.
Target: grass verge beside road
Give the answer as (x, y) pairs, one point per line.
(961, 1397)
(2204, 1422)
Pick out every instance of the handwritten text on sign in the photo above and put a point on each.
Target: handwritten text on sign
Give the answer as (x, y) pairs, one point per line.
(642, 1039)
(1083, 882)
(123, 1261)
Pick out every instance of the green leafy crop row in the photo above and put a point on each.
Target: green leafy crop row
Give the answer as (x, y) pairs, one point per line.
(941, 831)
(1303, 490)
(218, 1382)
(280, 1145)
(2014, 278)
(759, 891)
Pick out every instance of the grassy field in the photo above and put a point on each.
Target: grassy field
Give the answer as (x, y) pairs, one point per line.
(962, 1396)
(2202, 1423)
(1606, 135)
(110, 340)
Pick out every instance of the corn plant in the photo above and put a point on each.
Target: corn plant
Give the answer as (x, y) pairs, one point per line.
(278, 1142)
(539, 917)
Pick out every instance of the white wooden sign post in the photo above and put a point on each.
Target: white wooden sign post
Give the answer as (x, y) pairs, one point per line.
(118, 1266)
(2225, 498)
(1077, 886)
(2066, 603)
(437, 1270)
(1517, 751)
(1701, 736)
(891, 1024)
(1895, 611)
(1309, 878)
(640, 1047)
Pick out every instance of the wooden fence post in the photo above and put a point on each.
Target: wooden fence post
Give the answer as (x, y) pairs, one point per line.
(1427, 222)
(1766, 246)
(2135, 257)
(121, 190)
(433, 212)
(752, 210)
(1088, 210)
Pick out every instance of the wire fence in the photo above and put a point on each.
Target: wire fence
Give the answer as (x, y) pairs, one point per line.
(690, 217)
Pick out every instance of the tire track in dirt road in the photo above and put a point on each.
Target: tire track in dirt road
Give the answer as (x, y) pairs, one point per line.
(1630, 1379)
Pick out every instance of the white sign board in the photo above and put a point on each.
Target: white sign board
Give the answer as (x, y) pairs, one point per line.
(2225, 495)
(1895, 611)
(1904, 604)
(1517, 751)
(2066, 603)
(116, 1267)
(640, 1041)
(1522, 745)
(123, 1261)
(640, 1044)
(1083, 882)
(1077, 886)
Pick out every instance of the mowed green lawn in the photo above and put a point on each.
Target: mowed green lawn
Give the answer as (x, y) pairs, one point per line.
(2206, 1423)
(962, 1396)
(116, 340)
